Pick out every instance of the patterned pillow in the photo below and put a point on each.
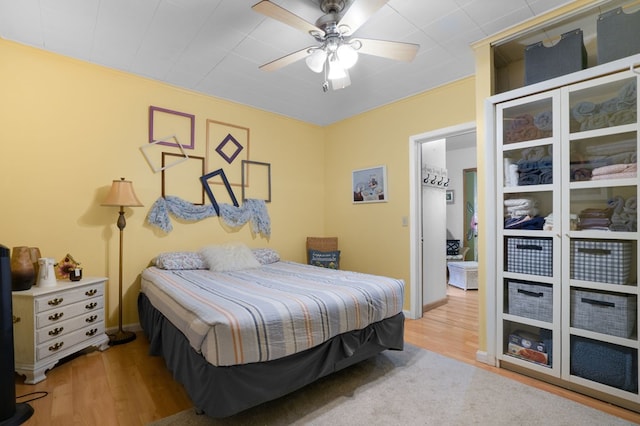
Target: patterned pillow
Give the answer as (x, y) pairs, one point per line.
(266, 255)
(326, 259)
(180, 260)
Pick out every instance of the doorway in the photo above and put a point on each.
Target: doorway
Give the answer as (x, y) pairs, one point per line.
(421, 247)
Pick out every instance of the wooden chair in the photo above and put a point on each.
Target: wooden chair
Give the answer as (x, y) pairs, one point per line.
(321, 244)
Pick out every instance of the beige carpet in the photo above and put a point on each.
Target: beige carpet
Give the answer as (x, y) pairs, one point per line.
(412, 387)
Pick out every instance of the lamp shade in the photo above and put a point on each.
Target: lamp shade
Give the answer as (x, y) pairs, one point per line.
(348, 55)
(122, 194)
(316, 60)
(336, 70)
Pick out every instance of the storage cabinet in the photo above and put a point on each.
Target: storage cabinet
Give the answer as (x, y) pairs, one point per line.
(567, 238)
(54, 322)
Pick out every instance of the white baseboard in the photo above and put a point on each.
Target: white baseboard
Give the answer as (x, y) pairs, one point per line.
(485, 358)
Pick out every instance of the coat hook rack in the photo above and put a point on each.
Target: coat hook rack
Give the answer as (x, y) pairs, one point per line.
(435, 177)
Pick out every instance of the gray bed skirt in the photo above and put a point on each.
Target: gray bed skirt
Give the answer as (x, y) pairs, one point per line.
(224, 391)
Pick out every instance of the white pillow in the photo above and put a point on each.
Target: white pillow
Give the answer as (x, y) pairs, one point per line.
(229, 257)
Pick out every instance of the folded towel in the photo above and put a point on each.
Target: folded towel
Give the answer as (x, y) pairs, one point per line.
(614, 168)
(629, 175)
(520, 202)
(582, 111)
(544, 121)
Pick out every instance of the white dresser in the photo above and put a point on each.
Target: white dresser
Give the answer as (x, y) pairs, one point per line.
(54, 322)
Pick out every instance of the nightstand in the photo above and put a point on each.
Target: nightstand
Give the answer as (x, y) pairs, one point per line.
(54, 322)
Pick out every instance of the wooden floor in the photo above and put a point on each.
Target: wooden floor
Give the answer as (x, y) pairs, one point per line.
(125, 386)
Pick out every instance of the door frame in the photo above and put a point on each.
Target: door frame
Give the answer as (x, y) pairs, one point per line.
(415, 209)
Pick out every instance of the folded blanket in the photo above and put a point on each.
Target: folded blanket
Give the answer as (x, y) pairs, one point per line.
(614, 168)
(629, 175)
(546, 177)
(524, 222)
(532, 178)
(520, 202)
(622, 117)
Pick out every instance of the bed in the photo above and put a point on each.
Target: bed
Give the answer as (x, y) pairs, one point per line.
(241, 336)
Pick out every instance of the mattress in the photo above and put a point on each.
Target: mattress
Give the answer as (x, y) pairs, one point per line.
(270, 312)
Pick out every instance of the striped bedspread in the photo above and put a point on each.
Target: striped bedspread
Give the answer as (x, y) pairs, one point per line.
(269, 312)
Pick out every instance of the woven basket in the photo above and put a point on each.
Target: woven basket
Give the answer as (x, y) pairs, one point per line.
(531, 300)
(602, 312)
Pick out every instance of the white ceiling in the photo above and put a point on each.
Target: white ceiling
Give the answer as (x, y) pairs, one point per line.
(215, 46)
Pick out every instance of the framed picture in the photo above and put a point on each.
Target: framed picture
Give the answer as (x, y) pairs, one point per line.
(370, 185)
(449, 196)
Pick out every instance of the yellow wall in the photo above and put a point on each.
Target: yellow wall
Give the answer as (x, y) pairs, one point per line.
(68, 128)
(372, 238)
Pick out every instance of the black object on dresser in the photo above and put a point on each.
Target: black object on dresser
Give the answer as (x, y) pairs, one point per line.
(10, 412)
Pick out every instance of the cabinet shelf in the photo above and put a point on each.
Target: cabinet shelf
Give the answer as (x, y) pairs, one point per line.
(527, 321)
(583, 307)
(613, 288)
(607, 131)
(620, 341)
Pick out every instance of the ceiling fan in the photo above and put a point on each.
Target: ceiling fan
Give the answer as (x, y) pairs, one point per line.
(338, 50)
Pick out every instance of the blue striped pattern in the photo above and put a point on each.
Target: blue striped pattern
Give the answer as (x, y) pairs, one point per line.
(269, 312)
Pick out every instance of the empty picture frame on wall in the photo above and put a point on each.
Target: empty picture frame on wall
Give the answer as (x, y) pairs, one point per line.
(183, 181)
(227, 145)
(370, 185)
(256, 180)
(164, 121)
(153, 149)
(205, 180)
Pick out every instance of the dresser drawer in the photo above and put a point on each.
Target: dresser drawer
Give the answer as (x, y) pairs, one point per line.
(64, 328)
(61, 344)
(64, 298)
(56, 316)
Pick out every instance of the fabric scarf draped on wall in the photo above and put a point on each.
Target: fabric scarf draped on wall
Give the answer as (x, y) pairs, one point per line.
(254, 211)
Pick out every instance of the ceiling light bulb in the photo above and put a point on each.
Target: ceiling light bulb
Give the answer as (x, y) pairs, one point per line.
(315, 61)
(336, 70)
(348, 55)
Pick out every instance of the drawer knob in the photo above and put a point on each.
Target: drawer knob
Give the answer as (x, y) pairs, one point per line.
(91, 332)
(91, 292)
(91, 305)
(56, 301)
(56, 331)
(56, 346)
(92, 318)
(56, 316)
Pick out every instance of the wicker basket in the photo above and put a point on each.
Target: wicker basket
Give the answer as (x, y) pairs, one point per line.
(602, 312)
(531, 300)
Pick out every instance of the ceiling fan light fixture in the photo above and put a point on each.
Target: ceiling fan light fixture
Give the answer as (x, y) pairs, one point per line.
(341, 83)
(348, 55)
(336, 70)
(315, 61)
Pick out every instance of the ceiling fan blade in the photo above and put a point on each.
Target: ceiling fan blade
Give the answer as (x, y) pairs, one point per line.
(278, 13)
(359, 12)
(276, 64)
(388, 49)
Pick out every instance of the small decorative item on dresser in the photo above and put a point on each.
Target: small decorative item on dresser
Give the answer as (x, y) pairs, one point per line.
(64, 266)
(23, 274)
(46, 275)
(75, 274)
